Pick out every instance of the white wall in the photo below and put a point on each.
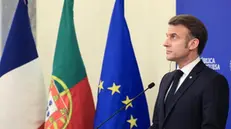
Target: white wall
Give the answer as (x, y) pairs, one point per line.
(147, 21)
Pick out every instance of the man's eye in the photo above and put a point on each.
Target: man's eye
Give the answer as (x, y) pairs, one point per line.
(173, 36)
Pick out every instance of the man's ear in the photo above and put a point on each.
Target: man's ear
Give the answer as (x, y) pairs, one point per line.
(193, 44)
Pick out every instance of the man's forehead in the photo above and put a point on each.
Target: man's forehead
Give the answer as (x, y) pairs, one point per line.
(177, 29)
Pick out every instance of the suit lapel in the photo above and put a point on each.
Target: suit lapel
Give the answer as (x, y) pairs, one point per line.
(166, 84)
(186, 84)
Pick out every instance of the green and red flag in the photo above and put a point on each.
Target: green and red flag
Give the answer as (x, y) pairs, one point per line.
(70, 103)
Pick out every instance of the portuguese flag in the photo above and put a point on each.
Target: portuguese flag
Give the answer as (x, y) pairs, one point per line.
(70, 103)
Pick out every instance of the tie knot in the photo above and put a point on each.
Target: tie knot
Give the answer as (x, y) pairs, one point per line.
(178, 74)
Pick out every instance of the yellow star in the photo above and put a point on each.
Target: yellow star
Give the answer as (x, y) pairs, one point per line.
(132, 122)
(100, 86)
(127, 101)
(114, 88)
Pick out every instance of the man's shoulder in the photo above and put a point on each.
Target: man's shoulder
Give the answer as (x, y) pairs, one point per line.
(214, 78)
(168, 74)
(212, 74)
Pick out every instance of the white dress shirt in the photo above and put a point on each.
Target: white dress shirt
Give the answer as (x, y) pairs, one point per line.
(186, 70)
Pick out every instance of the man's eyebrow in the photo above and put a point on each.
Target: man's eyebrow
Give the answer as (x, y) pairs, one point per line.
(172, 34)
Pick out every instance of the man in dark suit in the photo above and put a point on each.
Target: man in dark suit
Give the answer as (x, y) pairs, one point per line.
(193, 96)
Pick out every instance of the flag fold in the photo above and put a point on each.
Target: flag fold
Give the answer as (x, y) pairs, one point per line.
(120, 79)
(70, 103)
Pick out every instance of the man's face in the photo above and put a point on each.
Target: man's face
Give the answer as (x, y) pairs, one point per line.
(177, 43)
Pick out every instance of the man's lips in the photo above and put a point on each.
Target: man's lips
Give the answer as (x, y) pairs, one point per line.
(168, 52)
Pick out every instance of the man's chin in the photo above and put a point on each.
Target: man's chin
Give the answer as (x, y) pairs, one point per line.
(170, 59)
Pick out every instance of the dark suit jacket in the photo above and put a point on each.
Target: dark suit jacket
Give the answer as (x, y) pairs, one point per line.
(202, 101)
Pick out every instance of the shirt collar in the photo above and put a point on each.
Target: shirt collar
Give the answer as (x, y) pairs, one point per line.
(188, 68)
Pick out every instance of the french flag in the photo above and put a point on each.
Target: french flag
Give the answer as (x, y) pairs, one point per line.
(22, 93)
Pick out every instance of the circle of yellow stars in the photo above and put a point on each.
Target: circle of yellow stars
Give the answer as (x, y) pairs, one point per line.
(115, 89)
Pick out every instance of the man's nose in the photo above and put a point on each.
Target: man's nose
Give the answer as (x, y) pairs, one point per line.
(166, 43)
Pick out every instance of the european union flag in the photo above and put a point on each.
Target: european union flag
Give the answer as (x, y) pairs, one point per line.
(120, 79)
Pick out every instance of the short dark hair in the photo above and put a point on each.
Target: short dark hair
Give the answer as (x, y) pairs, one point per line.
(195, 26)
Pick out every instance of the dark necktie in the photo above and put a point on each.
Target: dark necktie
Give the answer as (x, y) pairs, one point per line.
(171, 93)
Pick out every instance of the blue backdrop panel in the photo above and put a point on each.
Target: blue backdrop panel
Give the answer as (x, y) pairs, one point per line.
(216, 14)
